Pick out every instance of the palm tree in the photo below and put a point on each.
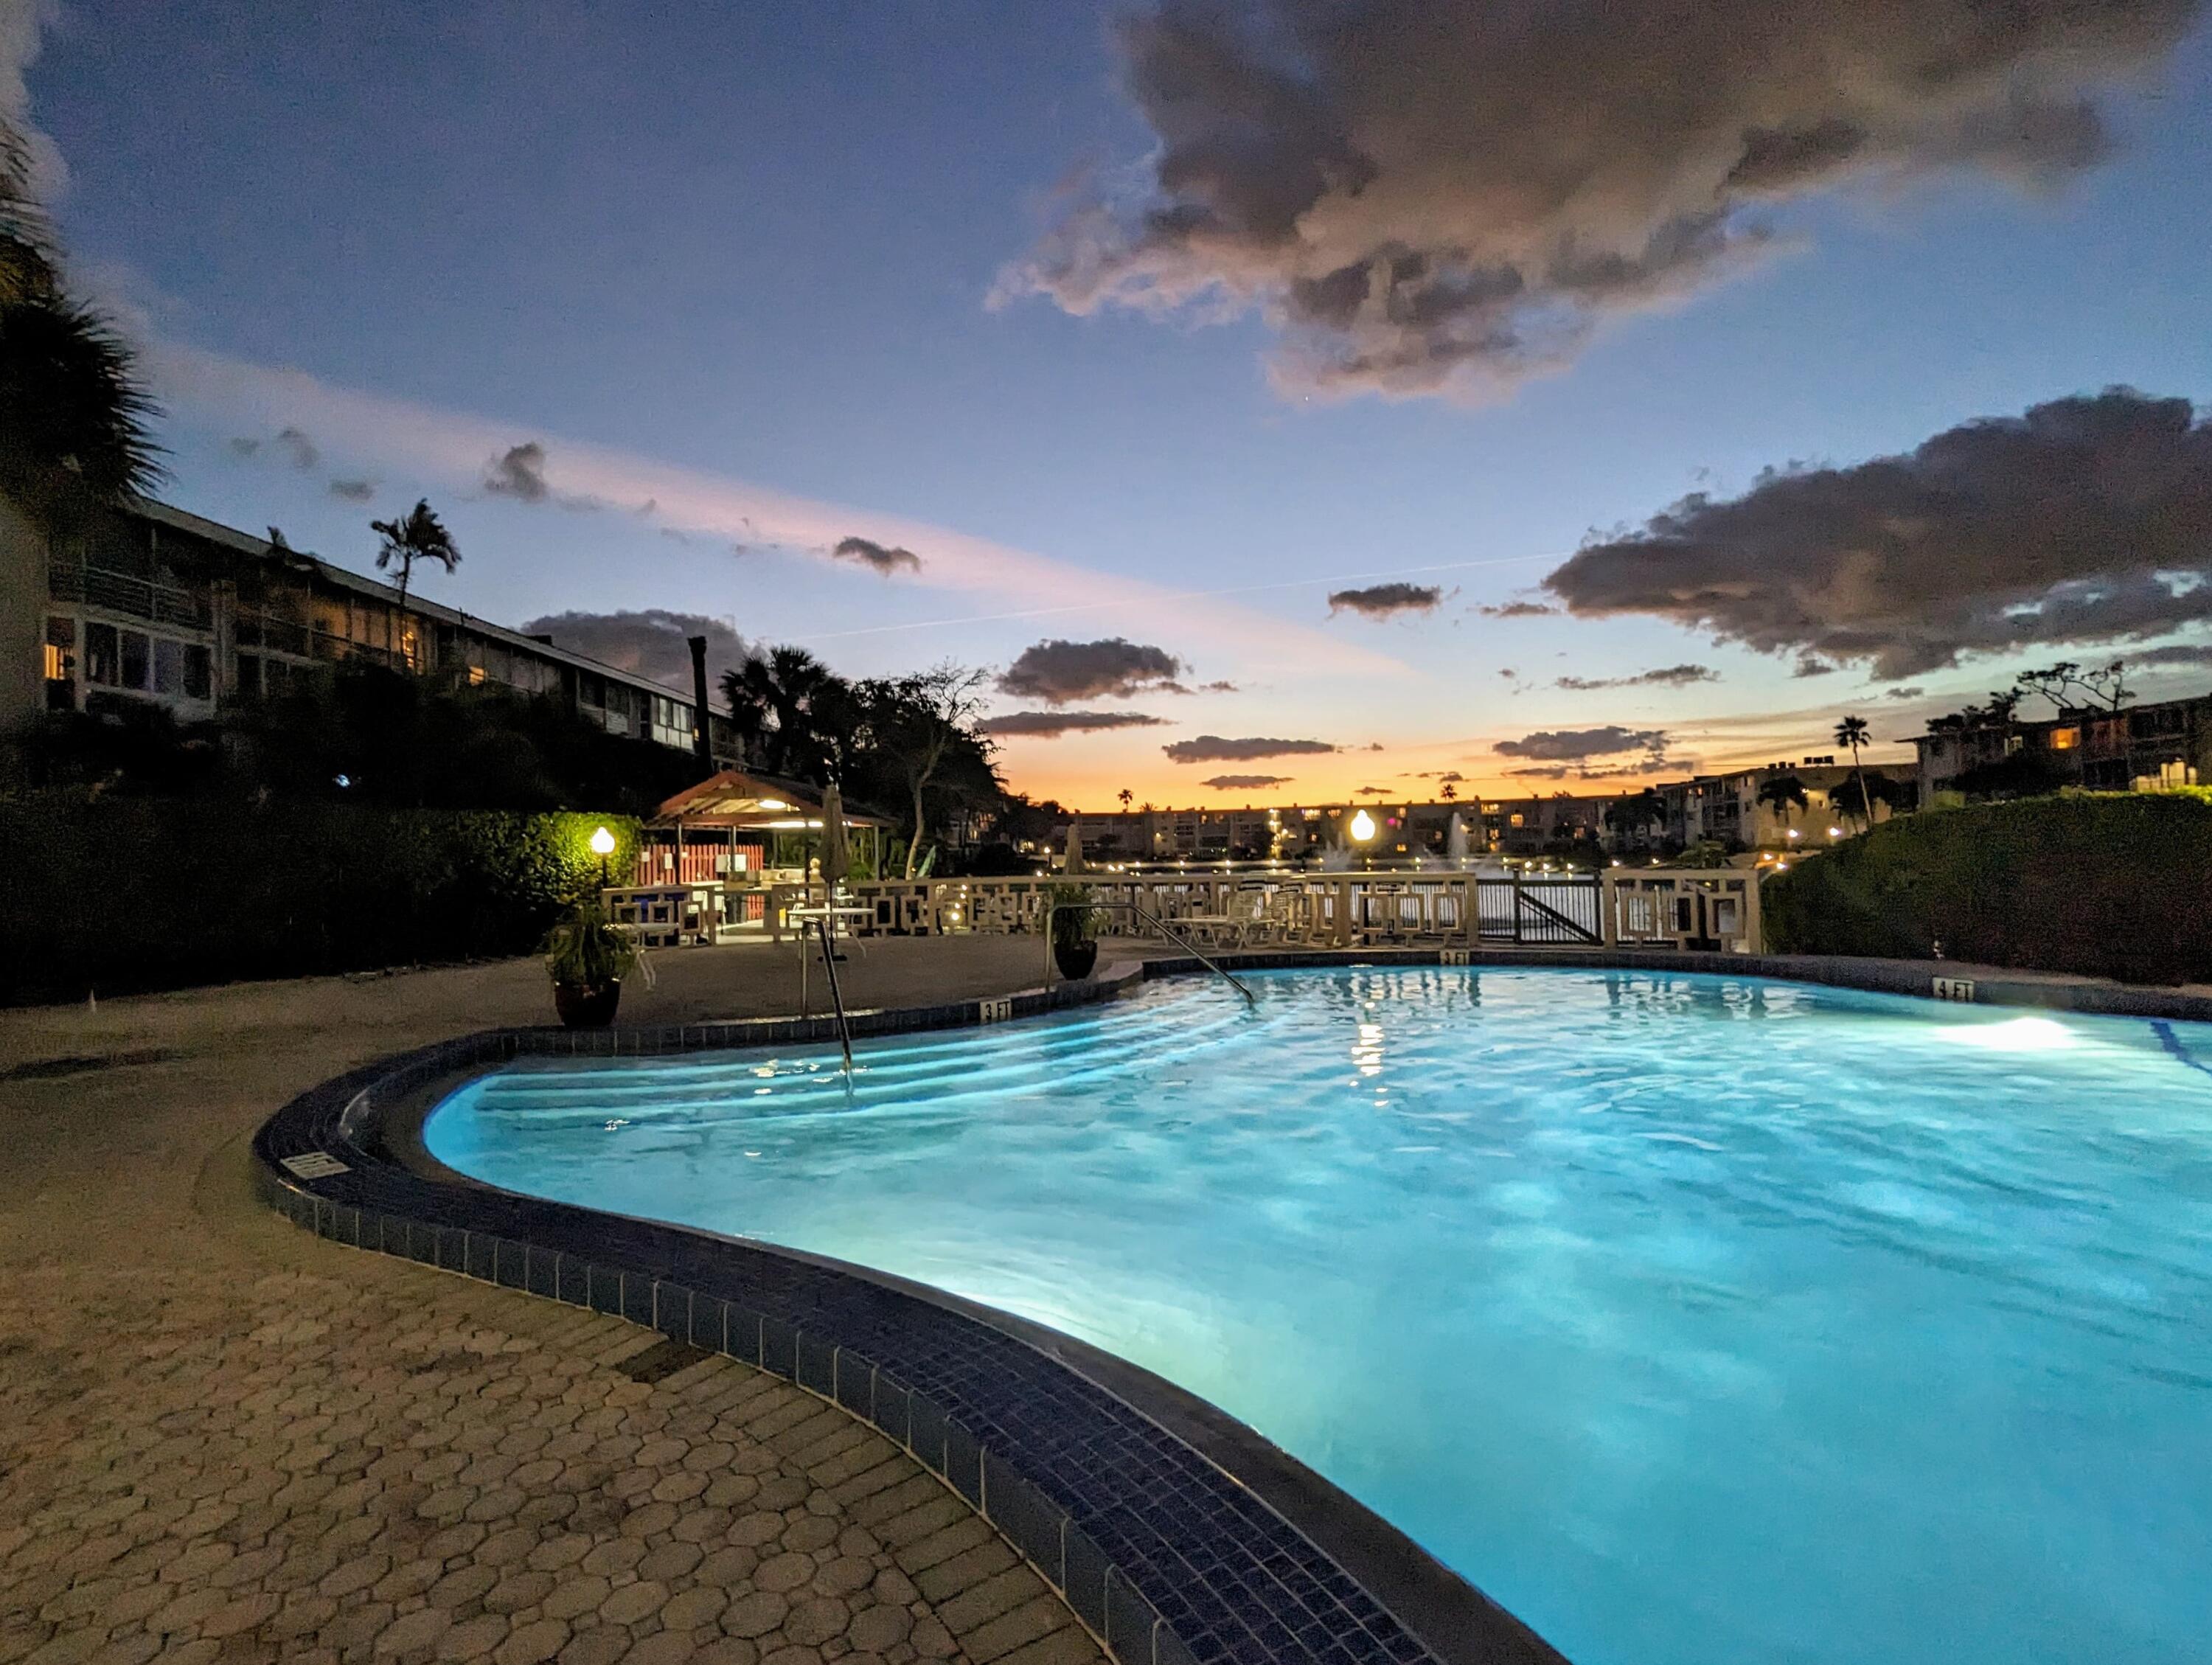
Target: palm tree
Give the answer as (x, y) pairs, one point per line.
(1128, 798)
(1449, 792)
(419, 535)
(1639, 813)
(73, 415)
(1852, 732)
(789, 708)
(26, 266)
(1782, 793)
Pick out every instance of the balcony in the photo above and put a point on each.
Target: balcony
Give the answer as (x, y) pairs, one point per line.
(119, 592)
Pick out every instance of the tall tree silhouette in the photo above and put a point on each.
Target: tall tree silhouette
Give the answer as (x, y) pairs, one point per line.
(1852, 732)
(74, 418)
(419, 535)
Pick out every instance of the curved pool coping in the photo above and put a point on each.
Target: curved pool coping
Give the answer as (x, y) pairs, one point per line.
(1179, 1535)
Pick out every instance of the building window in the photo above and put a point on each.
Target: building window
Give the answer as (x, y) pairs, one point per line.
(475, 676)
(249, 675)
(135, 658)
(61, 648)
(199, 673)
(2065, 740)
(168, 666)
(101, 663)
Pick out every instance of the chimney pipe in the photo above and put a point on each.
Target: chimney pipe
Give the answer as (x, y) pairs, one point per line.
(700, 742)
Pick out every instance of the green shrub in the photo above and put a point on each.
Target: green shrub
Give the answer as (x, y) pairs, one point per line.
(2105, 884)
(124, 894)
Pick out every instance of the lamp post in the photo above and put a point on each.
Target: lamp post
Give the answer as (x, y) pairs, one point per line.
(603, 846)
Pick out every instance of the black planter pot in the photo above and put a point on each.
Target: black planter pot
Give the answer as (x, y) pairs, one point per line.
(1075, 959)
(586, 1005)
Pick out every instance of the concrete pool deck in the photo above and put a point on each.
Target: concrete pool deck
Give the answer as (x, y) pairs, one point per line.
(230, 1440)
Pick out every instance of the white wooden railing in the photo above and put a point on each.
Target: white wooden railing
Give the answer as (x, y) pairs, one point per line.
(1622, 907)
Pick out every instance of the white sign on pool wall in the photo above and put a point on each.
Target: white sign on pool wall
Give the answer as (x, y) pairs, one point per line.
(1953, 988)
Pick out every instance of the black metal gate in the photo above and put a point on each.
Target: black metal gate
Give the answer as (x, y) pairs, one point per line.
(1540, 911)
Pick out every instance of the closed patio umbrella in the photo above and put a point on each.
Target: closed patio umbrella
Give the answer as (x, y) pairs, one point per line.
(837, 859)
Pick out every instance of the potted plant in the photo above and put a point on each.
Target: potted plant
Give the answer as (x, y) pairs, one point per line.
(1076, 922)
(589, 955)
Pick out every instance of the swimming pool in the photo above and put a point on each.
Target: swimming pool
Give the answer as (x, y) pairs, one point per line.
(1693, 1317)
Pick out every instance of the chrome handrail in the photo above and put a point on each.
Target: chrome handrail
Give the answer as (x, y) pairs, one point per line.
(1161, 925)
(836, 999)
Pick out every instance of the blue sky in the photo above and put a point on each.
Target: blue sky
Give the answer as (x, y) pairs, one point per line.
(750, 247)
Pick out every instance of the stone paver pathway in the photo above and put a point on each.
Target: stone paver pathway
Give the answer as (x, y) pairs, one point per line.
(373, 1461)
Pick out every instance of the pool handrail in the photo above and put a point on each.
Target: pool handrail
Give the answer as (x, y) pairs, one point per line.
(1157, 924)
(837, 999)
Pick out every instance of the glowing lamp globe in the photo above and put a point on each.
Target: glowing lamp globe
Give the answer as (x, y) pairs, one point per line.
(1363, 826)
(603, 843)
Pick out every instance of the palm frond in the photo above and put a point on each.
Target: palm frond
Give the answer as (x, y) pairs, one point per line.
(74, 420)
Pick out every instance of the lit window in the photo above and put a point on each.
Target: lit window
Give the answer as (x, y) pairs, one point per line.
(2065, 740)
(475, 676)
(1517, 820)
(54, 663)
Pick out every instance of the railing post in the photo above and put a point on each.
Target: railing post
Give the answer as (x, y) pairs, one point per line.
(1609, 908)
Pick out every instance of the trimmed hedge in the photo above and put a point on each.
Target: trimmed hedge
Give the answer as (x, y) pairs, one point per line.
(118, 895)
(2105, 884)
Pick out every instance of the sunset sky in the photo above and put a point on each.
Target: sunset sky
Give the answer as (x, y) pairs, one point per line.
(1229, 385)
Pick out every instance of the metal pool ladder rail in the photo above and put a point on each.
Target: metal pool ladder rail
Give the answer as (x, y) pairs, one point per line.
(1158, 924)
(1192, 948)
(836, 999)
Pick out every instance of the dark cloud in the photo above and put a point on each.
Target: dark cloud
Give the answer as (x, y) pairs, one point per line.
(1673, 675)
(1050, 725)
(1058, 673)
(353, 491)
(1575, 745)
(299, 450)
(1438, 775)
(1516, 609)
(1443, 196)
(1245, 782)
(1602, 772)
(2087, 519)
(1213, 749)
(1217, 688)
(2193, 653)
(1370, 792)
(652, 643)
(1912, 693)
(1387, 601)
(519, 473)
(1810, 666)
(884, 558)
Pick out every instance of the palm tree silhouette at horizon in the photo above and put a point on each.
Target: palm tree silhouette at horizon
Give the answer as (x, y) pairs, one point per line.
(418, 535)
(1853, 732)
(1782, 793)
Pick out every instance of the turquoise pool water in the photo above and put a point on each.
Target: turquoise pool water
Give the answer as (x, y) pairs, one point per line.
(1694, 1318)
